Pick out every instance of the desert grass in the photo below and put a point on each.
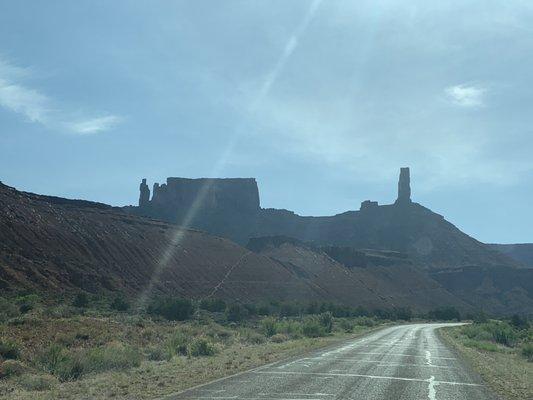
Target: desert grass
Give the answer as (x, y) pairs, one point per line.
(58, 355)
(487, 348)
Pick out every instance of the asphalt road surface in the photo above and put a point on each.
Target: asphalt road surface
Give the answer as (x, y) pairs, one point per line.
(402, 362)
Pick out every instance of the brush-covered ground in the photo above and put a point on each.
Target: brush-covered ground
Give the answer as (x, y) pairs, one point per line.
(500, 351)
(74, 350)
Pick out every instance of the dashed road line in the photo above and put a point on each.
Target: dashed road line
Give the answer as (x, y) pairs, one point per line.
(396, 378)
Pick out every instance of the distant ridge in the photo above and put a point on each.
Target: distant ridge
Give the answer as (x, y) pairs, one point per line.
(231, 208)
(54, 246)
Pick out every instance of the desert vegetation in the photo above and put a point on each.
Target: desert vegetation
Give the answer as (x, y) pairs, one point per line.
(500, 350)
(92, 344)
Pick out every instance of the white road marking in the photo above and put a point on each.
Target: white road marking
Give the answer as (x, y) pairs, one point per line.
(396, 378)
(390, 364)
(246, 398)
(428, 357)
(212, 390)
(297, 394)
(432, 393)
(396, 354)
(215, 397)
(292, 362)
(407, 346)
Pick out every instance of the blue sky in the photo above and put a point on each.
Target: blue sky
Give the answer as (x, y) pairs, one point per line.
(321, 101)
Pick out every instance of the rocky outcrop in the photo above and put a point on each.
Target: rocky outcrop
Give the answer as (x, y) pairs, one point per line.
(404, 187)
(144, 196)
(368, 205)
(230, 208)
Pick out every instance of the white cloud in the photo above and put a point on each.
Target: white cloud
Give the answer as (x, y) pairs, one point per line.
(28, 102)
(94, 125)
(466, 95)
(39, 108)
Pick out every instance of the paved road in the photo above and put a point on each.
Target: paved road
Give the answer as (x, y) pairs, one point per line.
(403, 362)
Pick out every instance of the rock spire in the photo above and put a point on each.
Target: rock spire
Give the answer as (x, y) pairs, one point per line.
(404, 187)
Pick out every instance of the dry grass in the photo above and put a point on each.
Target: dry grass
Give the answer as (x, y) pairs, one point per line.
(504, 370)
(175, 355)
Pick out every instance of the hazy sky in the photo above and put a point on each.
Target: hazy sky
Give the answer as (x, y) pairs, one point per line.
(322, 102)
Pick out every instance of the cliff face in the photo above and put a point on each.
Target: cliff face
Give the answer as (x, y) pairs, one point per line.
(218, 206)
(239, 194)
(230, 208)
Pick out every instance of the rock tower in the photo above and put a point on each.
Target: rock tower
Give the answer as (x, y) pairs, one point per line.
(144, 197)
(404, 187)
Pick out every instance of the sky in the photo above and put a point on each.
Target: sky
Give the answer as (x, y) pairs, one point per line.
(321, 101)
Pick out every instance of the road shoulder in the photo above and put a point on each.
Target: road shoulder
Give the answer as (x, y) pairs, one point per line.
(506, 374)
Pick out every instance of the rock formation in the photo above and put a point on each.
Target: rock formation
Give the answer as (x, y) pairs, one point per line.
(230, 208)
(368, 205)
(204, 193)
(144, 196)
(404, 187)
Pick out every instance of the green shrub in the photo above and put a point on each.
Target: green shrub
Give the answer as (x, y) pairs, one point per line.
(519, 322)
(50, 358)
(481, 345)
(213, 305)
(252, 337)
(445, 314)
(172, 308)
(10, 368)
(480, 318)
(251, 309)
(403, 313)
(503, 333)
(365, 321)
(37, 382)
(477, 332)
(81, 300)
(236, 313)
(279, 338)
(264, 309)
(58, 361)
(8, 310)
(312, 328)
(111, 357)
(9, 350)
(201, 347)
(495, 331)
(289, 327)
(346, 325)
(527, 351)
(268, 326)
(27, 302)
(289, 309)
(326, 320)
(119, 303)
(177, 344)
(69, 365)
(157, 353)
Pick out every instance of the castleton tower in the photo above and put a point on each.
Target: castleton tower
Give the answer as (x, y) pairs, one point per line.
(404, 187)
